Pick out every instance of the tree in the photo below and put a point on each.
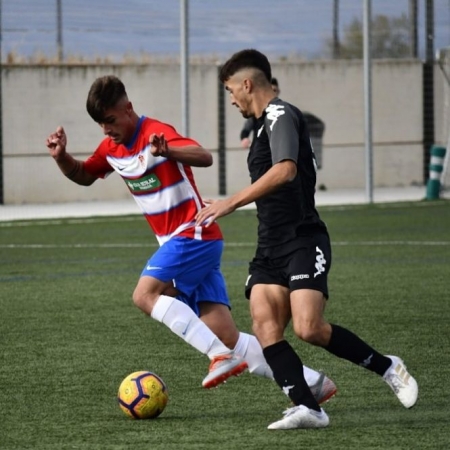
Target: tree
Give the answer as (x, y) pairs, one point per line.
(390, 38)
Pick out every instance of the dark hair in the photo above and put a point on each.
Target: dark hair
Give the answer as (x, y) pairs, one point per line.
(246, 59)
(274, 81)
(104, 94)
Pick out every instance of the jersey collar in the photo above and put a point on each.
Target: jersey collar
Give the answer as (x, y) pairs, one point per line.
(130, 144)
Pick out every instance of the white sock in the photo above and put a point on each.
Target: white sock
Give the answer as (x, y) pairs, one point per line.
(185, 324)
(311, 375)
(249, 348)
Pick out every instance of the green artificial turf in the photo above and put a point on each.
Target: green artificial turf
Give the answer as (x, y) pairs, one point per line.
(69, 334)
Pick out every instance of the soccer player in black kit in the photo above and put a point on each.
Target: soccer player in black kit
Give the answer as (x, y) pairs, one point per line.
(288, 275)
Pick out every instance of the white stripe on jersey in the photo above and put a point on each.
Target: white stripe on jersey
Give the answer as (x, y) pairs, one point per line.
(163, 200)
(188, 183)
(182, 227)
(135, 165)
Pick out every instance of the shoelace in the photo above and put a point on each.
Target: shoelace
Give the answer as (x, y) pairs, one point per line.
(395, 381)
(217, 360)
(290, 411)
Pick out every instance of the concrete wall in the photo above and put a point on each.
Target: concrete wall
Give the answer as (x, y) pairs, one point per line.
(36, 99)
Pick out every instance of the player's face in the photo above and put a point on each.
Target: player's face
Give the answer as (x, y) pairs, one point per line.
(239, 96)
(118, 123)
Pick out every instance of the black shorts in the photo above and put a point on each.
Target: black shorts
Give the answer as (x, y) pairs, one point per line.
(304, 265)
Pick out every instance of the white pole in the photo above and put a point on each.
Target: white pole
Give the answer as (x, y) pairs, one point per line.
(184, 65)
(368, 100)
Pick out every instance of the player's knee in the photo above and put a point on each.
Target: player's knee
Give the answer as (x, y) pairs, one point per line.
(267, 333)
(312, 334)
(143, 301)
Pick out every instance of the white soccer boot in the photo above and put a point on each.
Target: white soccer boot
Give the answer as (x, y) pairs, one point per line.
(223, 367)
(301, 417)
(401, 382)
(323, 389)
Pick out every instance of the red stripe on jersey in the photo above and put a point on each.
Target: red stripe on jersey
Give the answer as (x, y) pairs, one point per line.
(176, 217)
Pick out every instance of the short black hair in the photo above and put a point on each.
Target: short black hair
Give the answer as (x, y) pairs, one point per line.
(246, 59)
(104, 94)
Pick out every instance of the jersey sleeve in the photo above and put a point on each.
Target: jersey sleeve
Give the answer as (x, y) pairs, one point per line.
(283, 129)
(174, 139)
(97, 163)
(248, 127)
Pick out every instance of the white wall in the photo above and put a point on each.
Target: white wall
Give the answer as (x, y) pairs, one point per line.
(36, 99)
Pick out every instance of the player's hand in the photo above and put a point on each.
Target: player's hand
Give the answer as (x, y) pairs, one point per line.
(213, 210)
(57, 143)
(158, 145)
(245, 143)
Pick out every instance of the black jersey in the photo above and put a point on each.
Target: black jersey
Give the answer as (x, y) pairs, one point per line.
(289, 212)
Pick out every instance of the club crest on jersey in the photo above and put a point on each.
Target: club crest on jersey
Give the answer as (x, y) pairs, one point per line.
(273, 112)
(144, 184)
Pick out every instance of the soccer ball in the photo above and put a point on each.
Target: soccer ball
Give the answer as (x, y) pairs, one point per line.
(142, 395)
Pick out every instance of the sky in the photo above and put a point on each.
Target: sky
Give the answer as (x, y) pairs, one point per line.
(112, 29)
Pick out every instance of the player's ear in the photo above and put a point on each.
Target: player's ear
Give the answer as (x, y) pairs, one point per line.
(129, 108)
(248, 85)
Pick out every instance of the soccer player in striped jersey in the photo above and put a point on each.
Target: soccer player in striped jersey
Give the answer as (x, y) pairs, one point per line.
(182, 280)
(288, 275)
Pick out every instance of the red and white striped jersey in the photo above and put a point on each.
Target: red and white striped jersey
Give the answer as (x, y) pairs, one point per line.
(165, 190)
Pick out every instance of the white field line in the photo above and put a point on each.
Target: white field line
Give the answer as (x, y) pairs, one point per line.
(227, 244)
(128, 218)
(33, 223)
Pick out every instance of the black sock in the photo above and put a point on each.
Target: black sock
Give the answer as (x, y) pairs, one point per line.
(347, 345)
(287, 370)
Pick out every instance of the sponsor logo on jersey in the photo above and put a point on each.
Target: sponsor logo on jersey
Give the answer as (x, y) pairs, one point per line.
(144, 184)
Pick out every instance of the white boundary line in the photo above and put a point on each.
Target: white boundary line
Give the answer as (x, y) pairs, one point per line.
(125, 218)
(227, 244)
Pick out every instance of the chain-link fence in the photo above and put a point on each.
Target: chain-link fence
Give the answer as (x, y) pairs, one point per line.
(51, 50)
(74, 30)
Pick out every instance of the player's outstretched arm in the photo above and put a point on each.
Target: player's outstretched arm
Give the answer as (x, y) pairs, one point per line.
(69, 166)
(278, 175)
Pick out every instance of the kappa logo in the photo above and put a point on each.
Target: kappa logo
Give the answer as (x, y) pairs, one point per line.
(286, 389)
(367, 361)
(273, 112)
(302, 276)
(320, 262)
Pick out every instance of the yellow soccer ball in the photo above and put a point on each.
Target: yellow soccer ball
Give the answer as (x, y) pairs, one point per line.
(142, 395)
